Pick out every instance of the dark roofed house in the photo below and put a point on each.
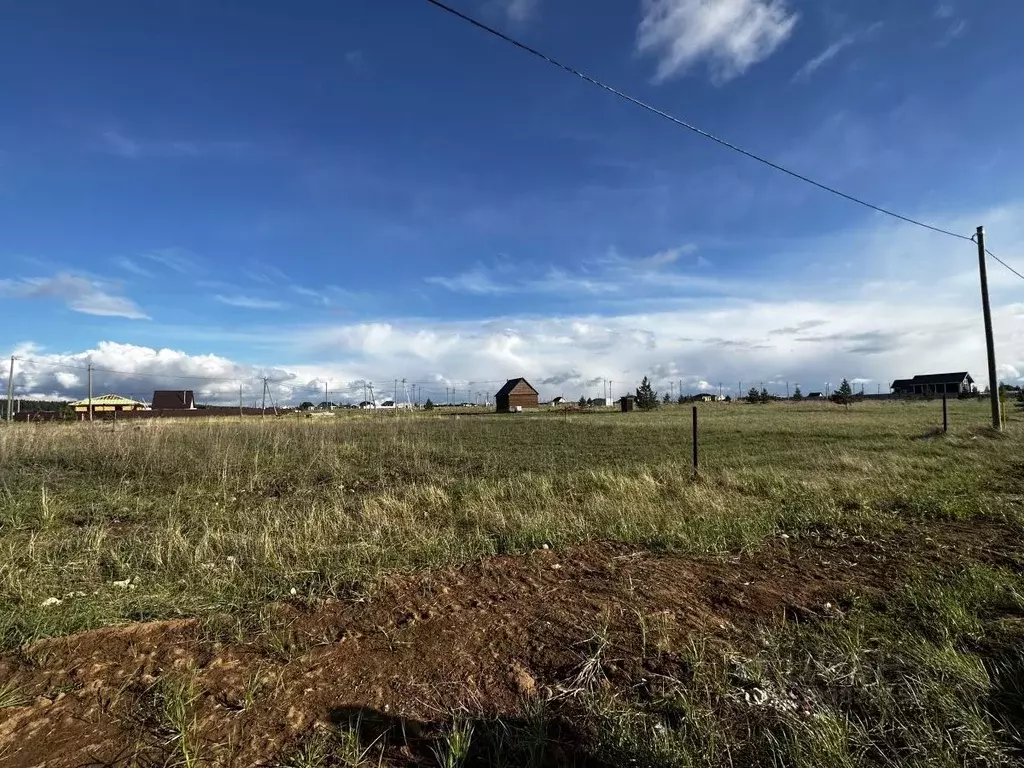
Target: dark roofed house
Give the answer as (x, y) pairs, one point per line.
(957, 383)
(173, 400)
(517, 393)
(902, 386)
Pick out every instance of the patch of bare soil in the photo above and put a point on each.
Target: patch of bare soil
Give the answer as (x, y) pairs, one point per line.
(484, 638)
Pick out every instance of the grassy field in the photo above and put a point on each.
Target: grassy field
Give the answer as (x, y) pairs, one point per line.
(102, 526)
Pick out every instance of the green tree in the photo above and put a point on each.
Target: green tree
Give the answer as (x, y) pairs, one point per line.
(797, 394)
(429, 405)
(753, 396)
(765, 397)
(306, 406)
(667, 398)
(843, 395)
(681, 399)
(583, 402)
(646, 397)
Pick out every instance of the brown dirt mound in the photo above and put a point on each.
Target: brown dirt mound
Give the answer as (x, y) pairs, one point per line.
(483, 638)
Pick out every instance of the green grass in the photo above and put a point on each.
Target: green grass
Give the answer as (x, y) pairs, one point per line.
(167, 519)
(912, 679)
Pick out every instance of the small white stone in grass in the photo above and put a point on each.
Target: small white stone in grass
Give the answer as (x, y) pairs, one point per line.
(785, 535)
(545, 546)
(50, 601)
(125, 584)
(556, 566)
(828, 606)
(294, 591)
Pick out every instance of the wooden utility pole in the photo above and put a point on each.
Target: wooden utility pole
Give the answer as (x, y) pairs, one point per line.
(239, 402)
(90, 390)
(10, 392)
(993, 379)
(263, 406)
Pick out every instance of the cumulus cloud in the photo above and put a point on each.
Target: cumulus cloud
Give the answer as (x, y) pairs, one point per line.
(730, 35)
(80, 294)
(886, 302)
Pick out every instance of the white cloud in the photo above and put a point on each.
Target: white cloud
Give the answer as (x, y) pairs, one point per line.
(730, 35)
(174, 259)
(520, 10)
(120, 144)
(136, 370)
(956, 29)
(249, 302)
(824, 57)
(869, 305)
(116, 143)
(81, 294)
(612, 275)
(944, 10)
(132, 266)
(827, 55)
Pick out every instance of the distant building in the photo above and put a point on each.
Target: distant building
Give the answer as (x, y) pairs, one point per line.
(705, 397)
(627, 403)
(107, 406)
(173, 400)
(959, 383)
(558, 400)
(517, 393)
(599, 402)
(815, 396)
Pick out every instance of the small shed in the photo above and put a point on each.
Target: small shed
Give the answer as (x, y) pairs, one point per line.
(626, 403)
(174, 400)
(558, 400)
(517, 393)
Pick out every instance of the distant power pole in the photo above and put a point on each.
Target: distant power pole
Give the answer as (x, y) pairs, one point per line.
(10, 392)
(787, 390)
(739, 390)
(239, 401)
(90, 390)
(263, 406)
(993, 379)
(327, 400)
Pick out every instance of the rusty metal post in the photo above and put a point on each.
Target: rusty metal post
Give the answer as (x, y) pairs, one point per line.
(945, 414)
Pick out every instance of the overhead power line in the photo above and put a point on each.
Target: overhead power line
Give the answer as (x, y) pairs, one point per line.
(1018, 274)
(682, 123)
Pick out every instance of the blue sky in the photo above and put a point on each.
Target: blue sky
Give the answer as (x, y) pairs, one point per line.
(377, 190)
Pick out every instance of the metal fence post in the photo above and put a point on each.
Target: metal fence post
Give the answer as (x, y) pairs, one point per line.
(945, 414)
(695, 438)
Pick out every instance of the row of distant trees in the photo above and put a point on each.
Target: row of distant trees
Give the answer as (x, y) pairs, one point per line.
(647, 397)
